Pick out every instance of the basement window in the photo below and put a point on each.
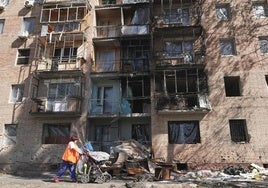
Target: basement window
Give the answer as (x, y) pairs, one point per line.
(183, 132)
(238, 130)
(10, 134)
(56, 133)
(263, 42)
(232, 86)
(227, 47)
(23, 56)
(223, 12)
(16, 93)
(260, 10)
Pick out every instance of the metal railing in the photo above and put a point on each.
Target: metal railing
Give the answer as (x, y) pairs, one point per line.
(45, 105)
(184, 102)
(59, 64)
(109, 31)
(173, 58)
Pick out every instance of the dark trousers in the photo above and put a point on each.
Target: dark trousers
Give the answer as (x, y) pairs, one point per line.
(70, 166)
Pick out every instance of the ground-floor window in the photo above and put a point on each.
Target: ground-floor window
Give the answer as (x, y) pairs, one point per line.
(10, 134)
(141, 133)
(56, 133)
(238, 130)
(183, 132)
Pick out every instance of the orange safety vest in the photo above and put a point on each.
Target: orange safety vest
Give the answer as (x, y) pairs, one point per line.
(70, 155)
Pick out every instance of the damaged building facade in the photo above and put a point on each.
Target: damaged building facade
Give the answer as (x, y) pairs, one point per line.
(186, 78)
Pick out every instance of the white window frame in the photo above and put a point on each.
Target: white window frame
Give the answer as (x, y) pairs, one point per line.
(227, 43)
(17, 91)
(259, 10)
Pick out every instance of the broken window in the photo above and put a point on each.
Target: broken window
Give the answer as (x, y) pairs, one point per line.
(108, 2)
(59, 91)
(227, 47)
(23, 56)
(223, 12)
(135, 55)
(263, 42)
(180, 49)
(136, 91)
(232, 86)
(28, 24)
(141, 133)
(238, 130)
(17, 93)
(2, 22)
(56, 133)
(66, 54)
(260, 10)
(180, 16)
(103, 137)
(183, 132)
(10, 134)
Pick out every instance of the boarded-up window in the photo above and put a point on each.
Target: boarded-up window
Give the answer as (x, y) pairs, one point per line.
(232, 86)
(238, 130)
(183, 132)
(56, 133)
(10, 135)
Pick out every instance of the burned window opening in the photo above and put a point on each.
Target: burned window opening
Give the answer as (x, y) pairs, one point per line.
(135, 55)
(141, 133)
(232, 86)
(136, 94)
(181, 89)
(238, 130)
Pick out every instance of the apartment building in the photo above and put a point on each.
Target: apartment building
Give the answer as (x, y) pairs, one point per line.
(186, 78)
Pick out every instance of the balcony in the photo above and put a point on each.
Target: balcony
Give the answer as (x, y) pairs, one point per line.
(119, 2)
(127, 107)
(194, 102)
(117, 31)
(105, 66)
(164, 58)
(44, 106)
(135, 65)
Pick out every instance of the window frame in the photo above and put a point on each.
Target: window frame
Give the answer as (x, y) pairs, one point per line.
(227, 9)
(197, 138)
(30, 21)
(23, 56)
(46, 136)
(19, 93)
(229, 42)
(234, 131)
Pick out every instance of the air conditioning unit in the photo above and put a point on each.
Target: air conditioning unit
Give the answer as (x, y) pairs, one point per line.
(23, 34)
(2, 6)
(29, 3)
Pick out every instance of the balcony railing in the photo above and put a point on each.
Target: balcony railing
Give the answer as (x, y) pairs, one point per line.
(138, 64)
(182, 102)
(45, 105)
(172, 58)
(119, 2)
(117, 31)
(106, 66)
(59, 64)
(123, 107)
